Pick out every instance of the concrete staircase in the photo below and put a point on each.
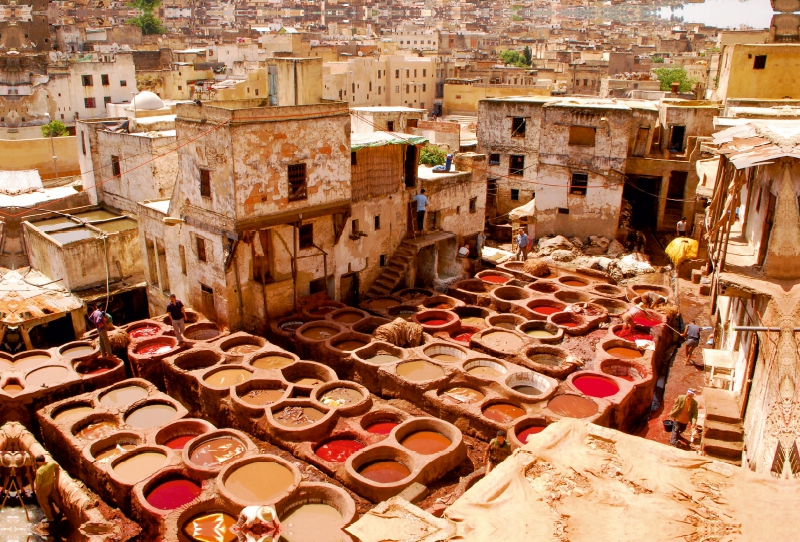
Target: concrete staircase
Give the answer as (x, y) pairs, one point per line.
(394, 270)
(723, 435)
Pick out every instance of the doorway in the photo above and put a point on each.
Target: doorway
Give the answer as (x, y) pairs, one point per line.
(673, 208)
(643, 192)
(676, 139)
(348, 289)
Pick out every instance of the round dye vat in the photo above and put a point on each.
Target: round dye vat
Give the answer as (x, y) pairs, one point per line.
(211, 528)
(446, 358)
(243, 349)
(462, 336)
(503, 412)
(349, 346)
(646, 322)
(73, 413)
(434, 322)
(380, 359)
(573, 406)
(12, 389)
(139, 466)
(307, 381)
(312, 522)
(348, 317)
(322, 311)
(494, 279)
(97, 430)
(155, 349)
(539, 334)
(259, 481)
(202, 334)
(546, 310)
(319, 333)
(627, 377)
(337, 451)
(124, 396)
(405, 315)
(35, 357)
(272, 362)
(441, 306)
(298, 416)
(419, 371)
(546, 359)
(77, 351)
(464, 395)
(622, 352)
(173, 494)
(567, 323)
(341, 397)
(262, 397)
(143, 331)
(473, 320)
(631, 335)
(179, 442)
(217, 451)
(381, 428)
(228, 377)
(426, 442)
(383, 304)
(151, 416)
(532, 430)
(595, 386)
(484, 371)
(107, 454)
(574, 283)
(505, 325)
(291, 327)
(384, 472)
(526, 389)
(46, 376)
(503, 341)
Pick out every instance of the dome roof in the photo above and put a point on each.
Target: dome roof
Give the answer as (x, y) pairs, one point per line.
(147, 100)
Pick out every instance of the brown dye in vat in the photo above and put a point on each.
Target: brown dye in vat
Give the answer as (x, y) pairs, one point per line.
(122, 224)
(272, 362)
(97, 430)
(124, 396)
(77, 351)
(348, 317)
(262, 397)
(426, 442)
(341, 397)
(35, 357)
(307, 381)
(211, 528)
(217, 451)
(12, 389)
(572, 406)
(574, 283)
(464, 395)
(506, 325)
(106, 455)
(384, 472)
(527, 389)
(151, 416)
(503, 341)
(319, 333)
(203, 334)
(382, 304)
(298, 416)
(259, 482)
(46, 376)
(484, 371)
(380, 359)
(70, 236)
(349, 346)
(540, 334)
(228, 377)
(405, 315)
(312, 522)
(503, 412)
(419, 370)
(97, 214)
(546, 359)
(447, 358)
(622, 352)
(73, 413)
(139, 466)
(243, 349)
(473, 321)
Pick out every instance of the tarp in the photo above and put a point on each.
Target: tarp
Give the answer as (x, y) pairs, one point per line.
(680, 249)
(522, 211)
(379, 139)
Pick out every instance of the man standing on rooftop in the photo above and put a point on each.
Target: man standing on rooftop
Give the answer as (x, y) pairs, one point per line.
(422, 204)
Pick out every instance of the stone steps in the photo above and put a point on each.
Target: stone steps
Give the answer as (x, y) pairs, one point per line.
(722, 449)
(393, 271)
(728, 432)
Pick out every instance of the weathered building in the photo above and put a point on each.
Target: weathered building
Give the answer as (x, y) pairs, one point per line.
(760, 71)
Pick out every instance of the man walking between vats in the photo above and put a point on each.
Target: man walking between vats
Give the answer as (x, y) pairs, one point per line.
(523, 243)
(178, 316)
(681, 227)
(45, 485)
(683, 413)
(692, 336)
(100, 321)
(422, 203)
(499, 449)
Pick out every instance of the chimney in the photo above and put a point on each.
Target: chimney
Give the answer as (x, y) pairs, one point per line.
(675, 86)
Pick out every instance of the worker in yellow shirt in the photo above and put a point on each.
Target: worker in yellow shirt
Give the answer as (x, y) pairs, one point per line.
(45, 485)
(682, 414)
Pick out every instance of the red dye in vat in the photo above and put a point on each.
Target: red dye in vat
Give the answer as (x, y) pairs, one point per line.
(97, 371)
(155, 348)
(546, 309)
(595, 386)
(435, 322)
(494, 279)
(568, 323)
(178, 443)
(629, 378)
(173, 494)
(631, 335)
(382, 428)
(532, 430)
(337, 451)
(144, 331)
(463, 337)
(646, 322)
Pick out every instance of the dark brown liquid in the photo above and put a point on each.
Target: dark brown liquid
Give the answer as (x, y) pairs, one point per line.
(259, 481)
(298, 416)
(503, 412)
(419, 371)
(217, 451)
(341, 397)
(261, 397)
(426, 442)
(97, 430)
(139, 466)
(272, 362)
(211, 528)
(384, 472)
(572, 406)
(151, 416)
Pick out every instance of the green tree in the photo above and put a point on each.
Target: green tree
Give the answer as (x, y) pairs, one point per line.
(528, 55)
(149, 23)
(54, 128)
(431, 155)
(513, 58)
(671, 74)
(657, 59)
(145, 5)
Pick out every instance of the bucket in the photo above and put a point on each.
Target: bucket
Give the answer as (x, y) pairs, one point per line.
(668, 426)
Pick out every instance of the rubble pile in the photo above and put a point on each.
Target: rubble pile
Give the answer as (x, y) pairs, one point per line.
(595, 252)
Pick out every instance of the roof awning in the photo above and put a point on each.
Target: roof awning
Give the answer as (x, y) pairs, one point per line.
(379, 139)
(290, 217)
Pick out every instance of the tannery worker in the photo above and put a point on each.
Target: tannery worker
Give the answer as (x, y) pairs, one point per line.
(422, 204)
(692, 336)
(45, 485)
(523, 243)
(683, 413)
(653, 299)
(636, 311)
(499, 449)
(100, 321)
(178, 316)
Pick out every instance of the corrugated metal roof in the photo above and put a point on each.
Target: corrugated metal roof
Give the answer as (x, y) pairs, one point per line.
(30, 297)
(759, 142)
